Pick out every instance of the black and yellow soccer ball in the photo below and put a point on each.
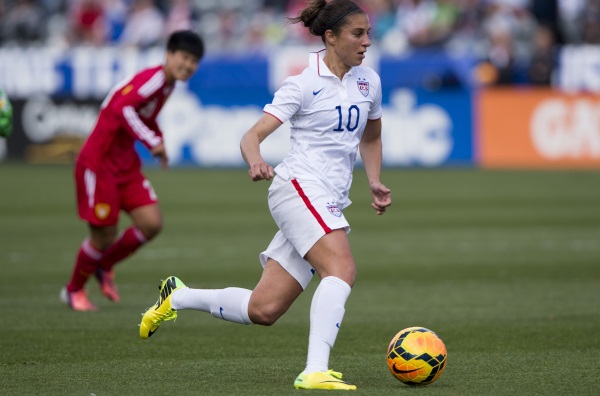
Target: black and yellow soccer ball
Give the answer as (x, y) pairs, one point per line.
(416, 356)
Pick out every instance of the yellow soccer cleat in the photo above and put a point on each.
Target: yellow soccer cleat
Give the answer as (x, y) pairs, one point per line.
(331, 380)
(162, 310)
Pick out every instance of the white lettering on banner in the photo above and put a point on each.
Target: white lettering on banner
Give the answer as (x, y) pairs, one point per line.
(43, 119)
(579, 68)
(29, 71)
(415, 135)
(411, 135)
(566, 130)
(25, 72)
(213, 133)
(97, 70)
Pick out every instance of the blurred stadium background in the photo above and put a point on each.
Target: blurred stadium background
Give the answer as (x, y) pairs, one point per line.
(482, 83)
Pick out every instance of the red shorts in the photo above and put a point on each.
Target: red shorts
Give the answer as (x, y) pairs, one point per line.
(101, 196)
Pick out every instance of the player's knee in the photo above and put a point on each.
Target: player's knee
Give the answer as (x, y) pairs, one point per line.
(102, 237)
(350, 277)
(151, 229)
(265, 315)
(347, 274)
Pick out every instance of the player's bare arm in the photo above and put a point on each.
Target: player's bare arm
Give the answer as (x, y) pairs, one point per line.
(250, 147)
(370, 151)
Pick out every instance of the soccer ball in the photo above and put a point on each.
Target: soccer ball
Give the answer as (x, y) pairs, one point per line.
(416, 356)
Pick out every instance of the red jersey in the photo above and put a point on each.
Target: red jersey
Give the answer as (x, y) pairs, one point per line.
(127, 114)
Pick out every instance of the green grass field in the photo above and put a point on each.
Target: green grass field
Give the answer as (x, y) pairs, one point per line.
(503, 265)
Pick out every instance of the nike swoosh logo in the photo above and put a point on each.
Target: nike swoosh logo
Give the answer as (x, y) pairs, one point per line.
(337, 382)
(317, 92)
(150, 332)
(403, 371)
(337, 325)
(221, 312)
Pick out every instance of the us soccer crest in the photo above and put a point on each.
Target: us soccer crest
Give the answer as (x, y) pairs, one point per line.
(363, 87)
(334, 209)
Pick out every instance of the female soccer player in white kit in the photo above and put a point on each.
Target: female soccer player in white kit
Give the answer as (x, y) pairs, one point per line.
(334, 107)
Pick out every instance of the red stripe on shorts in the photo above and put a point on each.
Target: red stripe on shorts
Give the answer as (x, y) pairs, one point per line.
(310, 206)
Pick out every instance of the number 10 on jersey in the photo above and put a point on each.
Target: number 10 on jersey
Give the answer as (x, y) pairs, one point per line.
(352, 120)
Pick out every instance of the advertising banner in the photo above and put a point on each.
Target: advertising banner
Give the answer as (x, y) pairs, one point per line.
(57, 97)
(49, 131)
(538, 128)
(578, 68)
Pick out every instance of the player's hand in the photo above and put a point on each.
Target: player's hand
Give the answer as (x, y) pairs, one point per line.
(382, 197)
(160, 154)
(261, 171)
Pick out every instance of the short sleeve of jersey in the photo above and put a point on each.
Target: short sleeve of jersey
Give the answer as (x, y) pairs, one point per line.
(376, 110)
(287, 100)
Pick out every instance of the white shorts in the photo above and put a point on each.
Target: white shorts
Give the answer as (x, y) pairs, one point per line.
(304, 211)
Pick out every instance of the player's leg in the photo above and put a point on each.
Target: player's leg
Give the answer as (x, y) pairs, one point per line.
(138, 199)
(98, 206)
(146, 224)
(273, 295)
(332, 259)
(90, 254)
(310, 219)
(86, 262)
(102, 237)
(278, 288)
(271, 298)
(332, 256)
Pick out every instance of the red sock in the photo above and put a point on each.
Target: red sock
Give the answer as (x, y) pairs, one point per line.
(86, 263)
(128, 242)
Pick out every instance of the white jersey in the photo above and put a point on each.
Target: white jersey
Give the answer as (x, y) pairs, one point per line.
(328, 118)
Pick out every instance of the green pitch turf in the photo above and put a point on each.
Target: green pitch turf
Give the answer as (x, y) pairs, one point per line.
(503, 265)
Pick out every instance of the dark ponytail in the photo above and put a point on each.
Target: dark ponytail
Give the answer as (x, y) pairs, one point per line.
(320, 16)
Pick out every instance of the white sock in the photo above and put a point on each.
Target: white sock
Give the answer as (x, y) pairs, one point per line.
(198, 299)
(326, 314)
(229, 304)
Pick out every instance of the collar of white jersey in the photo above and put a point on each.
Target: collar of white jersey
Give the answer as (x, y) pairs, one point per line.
(315, 61)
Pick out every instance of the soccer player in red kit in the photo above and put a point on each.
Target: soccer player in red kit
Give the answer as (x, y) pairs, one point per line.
(108, 172)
